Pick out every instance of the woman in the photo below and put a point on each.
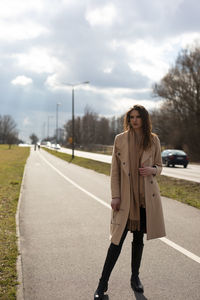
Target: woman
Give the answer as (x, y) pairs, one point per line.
(136, 204)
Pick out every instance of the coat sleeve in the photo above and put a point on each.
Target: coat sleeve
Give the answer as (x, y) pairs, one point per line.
(157, 156)
(115, 173)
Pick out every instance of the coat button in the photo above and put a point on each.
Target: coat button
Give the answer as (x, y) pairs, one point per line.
(153, 195)
(118, 153)
(129, 174)
(123, 163)
(151, 181)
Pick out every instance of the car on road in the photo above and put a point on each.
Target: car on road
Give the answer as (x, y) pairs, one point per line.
(174, 157)
(55, 146)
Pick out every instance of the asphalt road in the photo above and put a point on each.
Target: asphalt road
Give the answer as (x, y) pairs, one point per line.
(191, 173)
(64, 236)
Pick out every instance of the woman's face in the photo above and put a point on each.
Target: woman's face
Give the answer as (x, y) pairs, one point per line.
(135, 120)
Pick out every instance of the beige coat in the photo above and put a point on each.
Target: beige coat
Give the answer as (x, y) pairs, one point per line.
(120, 187)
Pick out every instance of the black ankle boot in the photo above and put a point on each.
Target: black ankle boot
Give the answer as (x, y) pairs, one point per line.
(101, 289)
(136, 284)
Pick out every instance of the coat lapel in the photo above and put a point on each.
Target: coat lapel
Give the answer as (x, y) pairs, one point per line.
(124, 153)
(145, 156)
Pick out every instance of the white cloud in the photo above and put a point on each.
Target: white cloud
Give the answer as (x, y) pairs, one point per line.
(68, 2)
(10, 8)
(126, 45)
(22, 80)
(107, 70)
(146, 57)
(105, 15)
(39, 60)
(55, 83)
(185, 40)
(153, 59)
(52, 80)
(123, 104)
(117, 92)
(25, 30)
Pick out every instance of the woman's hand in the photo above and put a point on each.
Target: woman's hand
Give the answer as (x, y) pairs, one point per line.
(146, 171)
(115, 204)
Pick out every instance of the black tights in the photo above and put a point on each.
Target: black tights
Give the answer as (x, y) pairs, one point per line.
(137, 240)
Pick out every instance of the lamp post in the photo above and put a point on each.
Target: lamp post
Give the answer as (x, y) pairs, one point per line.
(44, 125)
(57, 104)
(48, 125)
(73, 129)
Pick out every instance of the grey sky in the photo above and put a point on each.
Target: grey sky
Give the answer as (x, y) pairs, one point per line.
(121, 47)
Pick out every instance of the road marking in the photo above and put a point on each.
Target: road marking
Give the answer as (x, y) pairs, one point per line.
(75, 184)
(164, 240)
(181, 249)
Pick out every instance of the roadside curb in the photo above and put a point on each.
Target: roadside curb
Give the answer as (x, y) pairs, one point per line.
(19, 263)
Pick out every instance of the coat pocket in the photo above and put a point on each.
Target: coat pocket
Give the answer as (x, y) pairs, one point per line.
(116, 217)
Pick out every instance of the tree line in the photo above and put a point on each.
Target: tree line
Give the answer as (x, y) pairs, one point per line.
(177, 121)
(91, 129)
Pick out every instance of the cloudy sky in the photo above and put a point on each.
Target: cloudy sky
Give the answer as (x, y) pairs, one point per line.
(122, 47)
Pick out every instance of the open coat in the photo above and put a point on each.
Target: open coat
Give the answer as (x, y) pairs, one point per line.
(120, 187)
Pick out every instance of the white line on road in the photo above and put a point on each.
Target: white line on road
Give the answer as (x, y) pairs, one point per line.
(164, 240)
(75, 184)
(181, 249)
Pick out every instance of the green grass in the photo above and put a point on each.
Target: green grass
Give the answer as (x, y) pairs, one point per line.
(182, 190)
(12, 163)
(97, 166)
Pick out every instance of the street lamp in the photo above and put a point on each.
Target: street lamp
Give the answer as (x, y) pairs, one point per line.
(57, 104)
(73, 133)
(48, 125)
(44, 125)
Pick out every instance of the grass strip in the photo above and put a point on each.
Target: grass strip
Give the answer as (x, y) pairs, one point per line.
(12, 163)
(97, 166)
(182, 190)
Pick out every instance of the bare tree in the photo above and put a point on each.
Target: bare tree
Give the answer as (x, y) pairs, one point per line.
(180, 88)
(102, 131)
(77, 127)
(166, 125)
(77, 131)
(12, 139)
(8, 132)
(88, 128)
(34, 139)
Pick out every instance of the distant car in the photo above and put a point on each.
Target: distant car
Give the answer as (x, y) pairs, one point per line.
(57, 146)
(48, 144)
(174, 157)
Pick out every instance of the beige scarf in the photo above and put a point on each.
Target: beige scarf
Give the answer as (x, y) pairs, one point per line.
(136, 181)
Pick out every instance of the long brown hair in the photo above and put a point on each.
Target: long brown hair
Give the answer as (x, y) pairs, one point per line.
(146, 124)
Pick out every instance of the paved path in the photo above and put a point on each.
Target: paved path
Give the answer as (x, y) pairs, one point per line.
(191, 173)
(64, 227)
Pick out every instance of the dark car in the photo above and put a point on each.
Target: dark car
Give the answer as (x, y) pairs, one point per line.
(174, 157)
